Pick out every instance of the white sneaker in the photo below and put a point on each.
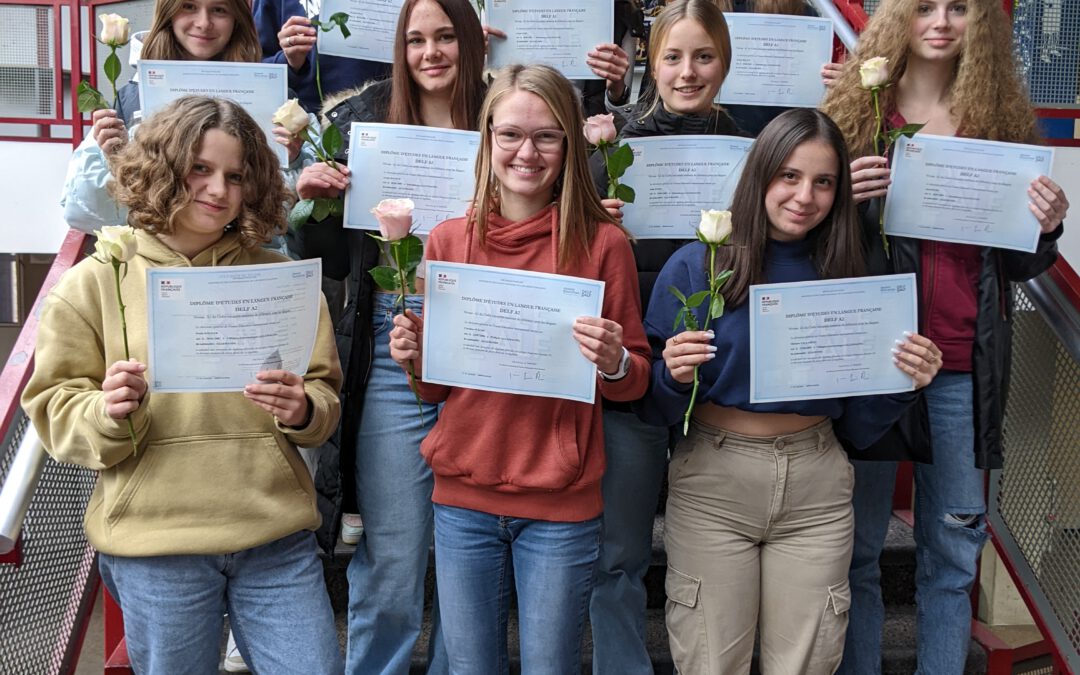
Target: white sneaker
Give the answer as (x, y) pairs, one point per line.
(234, 663)
(351, 528)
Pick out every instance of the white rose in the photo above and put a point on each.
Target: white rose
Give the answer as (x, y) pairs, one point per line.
(715, 226)
(874, 72)
(114, 30)
(116, 241)
(291, 116)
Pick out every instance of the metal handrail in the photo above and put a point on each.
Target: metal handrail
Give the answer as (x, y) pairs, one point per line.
(828, 10)
(1057, 310)
(19, 486)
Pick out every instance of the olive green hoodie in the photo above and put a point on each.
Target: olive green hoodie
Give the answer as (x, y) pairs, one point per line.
(214, 473)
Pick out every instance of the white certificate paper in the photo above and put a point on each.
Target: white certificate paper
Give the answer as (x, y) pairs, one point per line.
(558, 33)
(965, 190)
(509, 331)
(433, 167)
(829, 339)
(776, 60)
(675, 177)
(213, 328)
(371, 26)
(259, 88)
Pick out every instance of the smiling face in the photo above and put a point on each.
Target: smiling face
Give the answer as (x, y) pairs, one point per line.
(215, 183)
(937, 30)
(203, 28)
(690, 70)
(431, 49)
(801, 194)
(526, 175)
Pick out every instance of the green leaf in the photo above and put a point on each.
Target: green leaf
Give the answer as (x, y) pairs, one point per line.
(697, 298)
(717, 308)
(337, 207)
(331, 140)
(345, 32)
(723, 276)
(620, 160)
(678, 294)
(679, 318)
(386, 277)
(321, 210)
(625, 193)
(338, 18)
(410, 281)
(90, 99)
(409, 251)
(612, 189)
(300, 213)
(690, 320)
(112, 66)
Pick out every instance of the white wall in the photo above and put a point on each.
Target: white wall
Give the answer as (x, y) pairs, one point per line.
(31, 176)
(1067, 174)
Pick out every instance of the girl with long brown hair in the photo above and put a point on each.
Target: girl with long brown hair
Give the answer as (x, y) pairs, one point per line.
(952, 69)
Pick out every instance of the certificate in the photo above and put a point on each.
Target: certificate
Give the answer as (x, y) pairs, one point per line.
(558, 33)
(371, 23)
(214, 328)
(828, 339)
(259, 88)
(433, 167)
(509, 331)
(965, 190)
(675, 177)
(776, 60)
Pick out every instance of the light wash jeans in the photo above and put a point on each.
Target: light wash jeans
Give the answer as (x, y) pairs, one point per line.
(275, 596)
(636, 464)
(393, 493)
(481, 557)
(950, 530)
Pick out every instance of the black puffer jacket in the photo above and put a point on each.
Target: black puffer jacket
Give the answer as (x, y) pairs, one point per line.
(651, 254)
(992, 351)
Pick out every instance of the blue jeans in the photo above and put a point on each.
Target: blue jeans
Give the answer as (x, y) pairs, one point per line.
(950, 530)
(275, 595)
(393, 494)
(480, 557)
(636, 464)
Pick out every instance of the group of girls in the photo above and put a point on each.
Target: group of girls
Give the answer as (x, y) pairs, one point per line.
(547, 499)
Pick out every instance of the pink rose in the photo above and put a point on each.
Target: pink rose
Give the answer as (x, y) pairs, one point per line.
(395, 218)
(600, 128)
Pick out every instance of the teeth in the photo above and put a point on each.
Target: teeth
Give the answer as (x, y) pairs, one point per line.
(523, 169)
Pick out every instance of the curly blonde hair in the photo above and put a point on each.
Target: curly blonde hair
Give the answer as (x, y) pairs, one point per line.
(149, 172)
(985, 78)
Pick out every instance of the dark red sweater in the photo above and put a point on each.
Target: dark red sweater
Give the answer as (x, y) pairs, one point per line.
(528, 456)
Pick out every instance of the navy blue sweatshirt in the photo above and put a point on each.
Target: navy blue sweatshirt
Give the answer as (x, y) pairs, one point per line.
(725, 380)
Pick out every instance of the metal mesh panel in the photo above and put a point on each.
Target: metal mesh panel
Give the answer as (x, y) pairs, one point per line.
(1037, 496)
(870, 6)
(45, 597)
(1047, 39)
(27, 76)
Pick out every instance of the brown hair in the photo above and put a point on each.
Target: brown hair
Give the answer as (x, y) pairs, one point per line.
(468, 92)
(149, 172)
(580, 211)
(161, 43)
(793, 7)
(704, 12)
(987, 98)
(836, 245)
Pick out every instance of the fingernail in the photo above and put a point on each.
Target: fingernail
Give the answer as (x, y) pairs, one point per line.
(898, 342)
(711, 348)
(710, 356)
(710, 334)
(894, 350)
(908, 333)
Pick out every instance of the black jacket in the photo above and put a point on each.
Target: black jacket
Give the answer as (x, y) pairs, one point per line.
(992, 350)
(651, 254)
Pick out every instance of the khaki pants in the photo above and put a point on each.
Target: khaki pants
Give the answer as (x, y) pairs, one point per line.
(758, 535)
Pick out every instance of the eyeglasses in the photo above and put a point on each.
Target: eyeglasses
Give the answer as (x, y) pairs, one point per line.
(510, 138)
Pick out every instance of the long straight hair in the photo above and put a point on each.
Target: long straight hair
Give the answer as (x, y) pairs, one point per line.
(161, 44)
(580, 211)
(468, 92)
(835, 244)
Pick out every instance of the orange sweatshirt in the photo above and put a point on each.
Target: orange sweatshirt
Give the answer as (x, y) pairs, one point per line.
(528, 456)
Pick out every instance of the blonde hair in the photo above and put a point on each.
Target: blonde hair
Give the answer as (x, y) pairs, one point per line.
(161, 44)
(708, 15)
(987, 98)
(580, 211)
(150, 171)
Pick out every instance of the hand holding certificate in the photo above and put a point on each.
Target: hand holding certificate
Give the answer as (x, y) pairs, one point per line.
(215, 328)
(509, 331)
(829, 339)
(965, 190)
(557, 33)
